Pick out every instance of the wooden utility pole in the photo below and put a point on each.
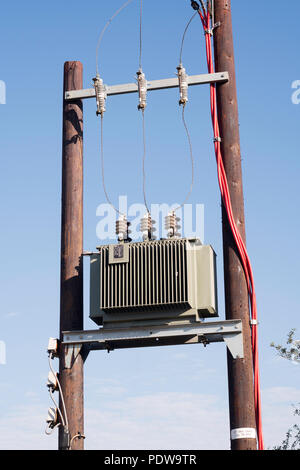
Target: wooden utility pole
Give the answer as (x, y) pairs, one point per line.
(240, 371)
(71, 300)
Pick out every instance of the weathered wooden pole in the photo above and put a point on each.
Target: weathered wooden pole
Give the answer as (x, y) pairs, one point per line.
(240, 371)
(71, 297)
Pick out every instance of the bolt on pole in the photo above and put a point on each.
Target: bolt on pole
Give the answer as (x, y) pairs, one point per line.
(71, 300)
(240, 371)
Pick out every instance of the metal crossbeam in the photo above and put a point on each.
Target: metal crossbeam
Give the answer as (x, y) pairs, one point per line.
(203, 79)
(166, 335)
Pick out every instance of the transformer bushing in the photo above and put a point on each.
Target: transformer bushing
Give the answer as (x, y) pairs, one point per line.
(122, 229)
(147, 227)
(172, 226)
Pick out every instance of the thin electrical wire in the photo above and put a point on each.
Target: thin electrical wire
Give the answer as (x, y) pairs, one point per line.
(184, 34)
(143, 112)
(97, 72)
(61, 393)
(105, 28)
(203, 6)
(102, 168)
(77, 436)
(183, 117)
(52, 429)
(57, 407)
(185, 127)
(144, 161)
(141, 35)
(213, 12)
(192, 159)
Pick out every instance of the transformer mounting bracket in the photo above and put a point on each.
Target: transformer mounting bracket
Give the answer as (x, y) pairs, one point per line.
(230, 332)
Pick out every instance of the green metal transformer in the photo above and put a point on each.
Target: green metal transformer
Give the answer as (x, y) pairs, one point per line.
(153, 282)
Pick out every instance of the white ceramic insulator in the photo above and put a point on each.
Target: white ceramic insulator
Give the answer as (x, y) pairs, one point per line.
(52, 417)
(101, 95)
(147, 227)
(142, 86)
(171, 225)
(122, 228)
(183, 85)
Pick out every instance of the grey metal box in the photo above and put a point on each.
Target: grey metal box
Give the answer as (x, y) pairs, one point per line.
(166, 280)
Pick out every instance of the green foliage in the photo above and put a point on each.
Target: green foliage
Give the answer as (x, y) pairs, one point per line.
(291, 352)
(292, 349)
(292, 439)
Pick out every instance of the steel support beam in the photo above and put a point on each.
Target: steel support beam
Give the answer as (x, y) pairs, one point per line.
(166, 335)
(153, 85)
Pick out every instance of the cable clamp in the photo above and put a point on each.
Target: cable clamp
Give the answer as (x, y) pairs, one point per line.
(217, 139)
(209, 31)
(254, 322)
(216, 25)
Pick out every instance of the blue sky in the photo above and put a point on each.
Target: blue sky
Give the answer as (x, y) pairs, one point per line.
(170, 397)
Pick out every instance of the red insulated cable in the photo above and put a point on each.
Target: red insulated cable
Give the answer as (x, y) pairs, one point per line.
(205, 19)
